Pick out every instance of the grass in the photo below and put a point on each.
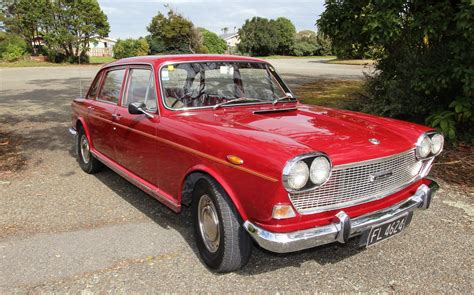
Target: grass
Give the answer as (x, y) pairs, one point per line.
(288, 56)
(28, 63)
(342, 94)
(100, 59)
(358, 62)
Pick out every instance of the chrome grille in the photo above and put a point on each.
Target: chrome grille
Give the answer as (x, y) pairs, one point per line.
(352, 184)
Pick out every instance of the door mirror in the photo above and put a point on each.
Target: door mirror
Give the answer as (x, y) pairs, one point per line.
(138, 108)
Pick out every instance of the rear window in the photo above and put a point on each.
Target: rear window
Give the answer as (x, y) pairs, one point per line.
(112, 85)
(94, 89)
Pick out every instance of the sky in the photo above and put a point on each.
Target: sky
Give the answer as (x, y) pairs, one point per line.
(129, 19)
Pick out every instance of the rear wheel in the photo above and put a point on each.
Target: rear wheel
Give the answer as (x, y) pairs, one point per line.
(223, 243)
(85, 158)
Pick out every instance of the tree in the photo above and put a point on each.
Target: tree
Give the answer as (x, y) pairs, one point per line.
(130, 47)
(212, 42)
(66, 26)
(307, 40)
(12, 47)
(424, 57)
(285, 35)
(257, 37)
(175, 32)
(73, 25)
(26, 19)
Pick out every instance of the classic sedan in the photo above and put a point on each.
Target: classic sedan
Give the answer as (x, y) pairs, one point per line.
(227, 137)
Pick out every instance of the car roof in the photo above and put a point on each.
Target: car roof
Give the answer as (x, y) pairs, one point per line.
(157, 60)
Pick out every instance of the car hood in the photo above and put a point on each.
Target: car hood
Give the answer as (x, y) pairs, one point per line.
(345, 136)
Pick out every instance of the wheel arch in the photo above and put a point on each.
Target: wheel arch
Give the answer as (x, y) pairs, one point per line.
(195, 173)
(80, 122)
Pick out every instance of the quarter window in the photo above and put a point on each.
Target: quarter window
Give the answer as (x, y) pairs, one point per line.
(112, 85)
(94, 87)
(141, 88)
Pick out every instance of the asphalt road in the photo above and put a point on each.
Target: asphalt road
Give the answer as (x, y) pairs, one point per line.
(62, 230)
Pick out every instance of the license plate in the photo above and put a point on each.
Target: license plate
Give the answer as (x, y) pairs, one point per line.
(385, 230)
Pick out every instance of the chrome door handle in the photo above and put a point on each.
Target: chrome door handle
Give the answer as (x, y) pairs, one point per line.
(116, 116)
(90, 107)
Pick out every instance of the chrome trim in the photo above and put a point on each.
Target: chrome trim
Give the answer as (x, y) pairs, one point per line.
(347, 203)
(74, 133)
(211, 60)
(341, 230)
(289, 163)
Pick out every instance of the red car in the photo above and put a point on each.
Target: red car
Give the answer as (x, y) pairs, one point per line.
(226, 136)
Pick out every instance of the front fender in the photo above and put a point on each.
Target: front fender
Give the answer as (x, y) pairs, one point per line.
(200, 168)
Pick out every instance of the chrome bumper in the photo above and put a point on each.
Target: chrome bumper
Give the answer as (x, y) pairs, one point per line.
(342, 230)
(73, 132)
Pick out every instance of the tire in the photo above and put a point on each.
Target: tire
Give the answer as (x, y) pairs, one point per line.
(85, 158)
(226, 247)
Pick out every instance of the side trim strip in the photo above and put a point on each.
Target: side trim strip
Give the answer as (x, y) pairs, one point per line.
(190, 150)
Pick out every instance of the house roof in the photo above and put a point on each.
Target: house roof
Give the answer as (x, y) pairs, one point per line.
(228, 35)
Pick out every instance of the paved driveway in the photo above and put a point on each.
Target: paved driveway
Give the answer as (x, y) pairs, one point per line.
(62, 230)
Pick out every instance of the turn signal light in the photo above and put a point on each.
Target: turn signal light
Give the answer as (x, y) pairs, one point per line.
(235, 160)
(283, 212)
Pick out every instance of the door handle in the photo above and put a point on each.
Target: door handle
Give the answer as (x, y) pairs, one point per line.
(90, 107)
(116, 116)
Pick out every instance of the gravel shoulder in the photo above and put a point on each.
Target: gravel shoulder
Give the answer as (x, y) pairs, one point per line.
(62, 230)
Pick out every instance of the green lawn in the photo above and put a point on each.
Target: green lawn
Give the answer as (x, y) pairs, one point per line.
(343, 94)
(100, 59)
(352, 62)
(28, 63)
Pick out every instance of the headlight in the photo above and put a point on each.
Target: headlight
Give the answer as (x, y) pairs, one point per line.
(298, 175)
(423, 147)
(320, 170)
(437, 142)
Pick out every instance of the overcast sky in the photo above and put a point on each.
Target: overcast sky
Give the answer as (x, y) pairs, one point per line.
(130, 18)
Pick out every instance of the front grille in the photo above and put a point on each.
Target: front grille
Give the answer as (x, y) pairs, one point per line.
(353, 184)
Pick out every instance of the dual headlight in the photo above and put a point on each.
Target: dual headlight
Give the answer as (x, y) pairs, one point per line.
(306, 171)
(429, 145)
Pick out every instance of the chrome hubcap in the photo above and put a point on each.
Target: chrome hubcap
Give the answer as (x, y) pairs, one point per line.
(209, 223)
(85, 153)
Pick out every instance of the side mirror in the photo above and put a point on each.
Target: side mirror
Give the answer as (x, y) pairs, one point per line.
(138, 108)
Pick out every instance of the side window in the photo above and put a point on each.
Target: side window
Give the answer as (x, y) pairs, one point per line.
(141, 88)
(112, 85)
(94, 89)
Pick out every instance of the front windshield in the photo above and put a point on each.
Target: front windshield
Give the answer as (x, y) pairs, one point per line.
(205, 84)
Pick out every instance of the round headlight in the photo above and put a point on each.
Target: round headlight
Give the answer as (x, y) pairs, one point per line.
(298, 175)
(320, 170)
(423, 148)
(437, 142)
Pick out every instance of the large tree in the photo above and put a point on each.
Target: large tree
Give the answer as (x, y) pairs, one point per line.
(212, 43)
(258, 36)
(424, 52)
(175, 32)
(73, 24)
(285, 36)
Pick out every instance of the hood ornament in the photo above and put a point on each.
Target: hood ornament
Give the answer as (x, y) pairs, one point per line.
(374, 141)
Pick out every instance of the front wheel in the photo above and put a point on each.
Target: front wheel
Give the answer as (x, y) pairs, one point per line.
(223, 243)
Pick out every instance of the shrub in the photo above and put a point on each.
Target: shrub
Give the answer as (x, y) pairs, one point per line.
(130, 47)
(12, 47)
(212, 43)
(303, 48)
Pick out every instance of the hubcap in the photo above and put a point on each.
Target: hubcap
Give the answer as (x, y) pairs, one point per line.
(209, 223)
(85, 153)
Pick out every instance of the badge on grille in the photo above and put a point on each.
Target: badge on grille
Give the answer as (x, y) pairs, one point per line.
(380, 176)
(374, 141)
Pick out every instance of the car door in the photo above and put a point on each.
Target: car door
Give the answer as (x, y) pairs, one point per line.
(135, 134)
(103, 109)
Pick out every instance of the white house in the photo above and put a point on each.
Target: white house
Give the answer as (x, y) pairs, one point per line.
(102, 47)
(232, 39)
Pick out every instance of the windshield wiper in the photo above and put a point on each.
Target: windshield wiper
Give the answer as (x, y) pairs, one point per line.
(216, 106)
(288, 95)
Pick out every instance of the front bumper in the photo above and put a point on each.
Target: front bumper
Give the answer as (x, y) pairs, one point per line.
(74, 134)
(342, 230)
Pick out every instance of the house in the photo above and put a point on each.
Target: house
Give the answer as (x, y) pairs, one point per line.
(102, 47)
(232, 39)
